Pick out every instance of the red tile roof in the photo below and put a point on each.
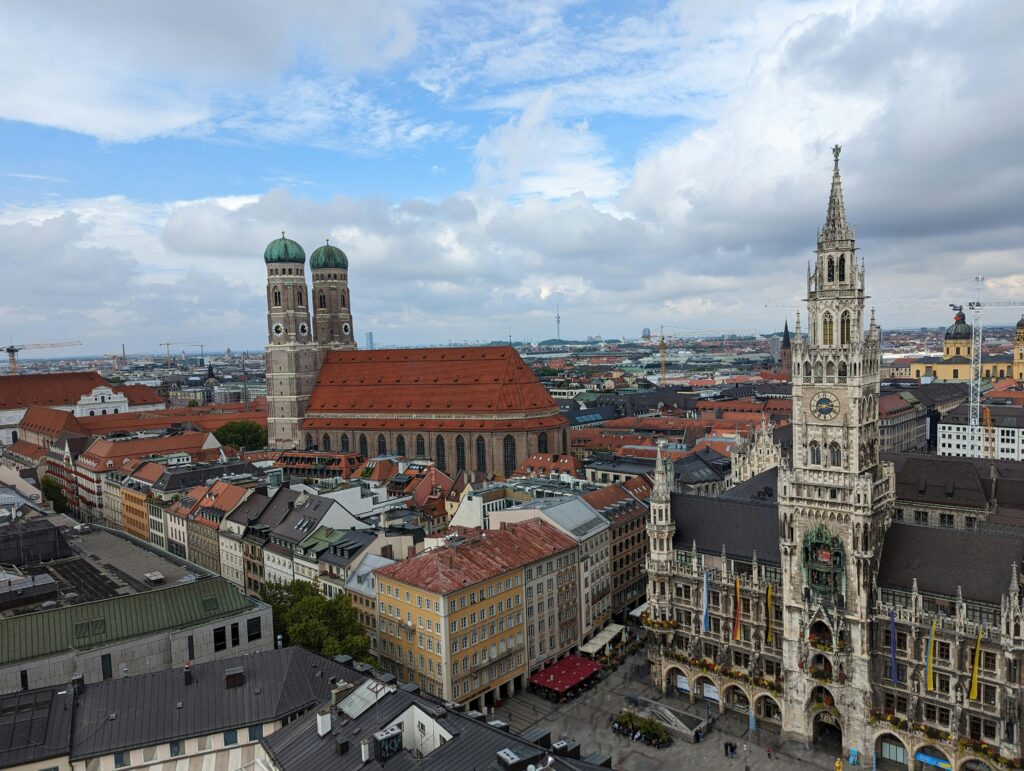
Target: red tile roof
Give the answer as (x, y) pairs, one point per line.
(49, 422)
(208, 418)
(139, 394)
(149, 472)
(479, 558)
(103, 450)
(543, 464)
(48, 389)
(481, 381)
(26, 449)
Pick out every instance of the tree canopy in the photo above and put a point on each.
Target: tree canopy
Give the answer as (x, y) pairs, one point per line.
(306, 618)
(52, 492)
(243, 434)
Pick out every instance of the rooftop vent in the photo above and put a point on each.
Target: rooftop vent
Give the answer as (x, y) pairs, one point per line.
(234, 677)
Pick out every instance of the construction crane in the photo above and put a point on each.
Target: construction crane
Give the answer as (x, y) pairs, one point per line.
(662, 356)
(167, 347)
(12, 351)
(978, 439)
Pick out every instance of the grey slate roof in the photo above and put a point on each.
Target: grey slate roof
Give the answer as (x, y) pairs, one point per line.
(35, 726)
(183, 477)
(571, 513)
(474, 744)
(929, 554)
(28, 541)
(276, 684)
(740, 526)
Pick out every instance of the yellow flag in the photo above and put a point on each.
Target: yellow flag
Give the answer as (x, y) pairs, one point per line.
(974, 671)
(930, 658)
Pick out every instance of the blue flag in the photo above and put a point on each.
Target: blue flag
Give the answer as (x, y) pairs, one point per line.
(751, 720)
(707, 608)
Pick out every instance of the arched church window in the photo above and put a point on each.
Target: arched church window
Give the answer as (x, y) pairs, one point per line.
(509, 446)
(814, 454)
(277, 296)
(842, 372)
(818, 372)
(300, 298)
(460, 453)
(830, 370)
(481, 455)
(835, 455)
(842, 267)
(807, 369)
(325, 444)
(382, 445)
(309, 441)
(322, 300)
(826, 329)
(439, 459)
(542, 442)
(364, 449)
(400, 446)
(344, 443)
(831, 269)
(421, 447)
(844, 328)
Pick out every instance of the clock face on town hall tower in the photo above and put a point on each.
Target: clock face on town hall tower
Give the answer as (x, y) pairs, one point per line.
(824, 406)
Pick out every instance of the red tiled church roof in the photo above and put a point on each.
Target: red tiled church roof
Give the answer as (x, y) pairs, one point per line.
(480, 381)
(47, 389)
(139, 394)
(49, 422)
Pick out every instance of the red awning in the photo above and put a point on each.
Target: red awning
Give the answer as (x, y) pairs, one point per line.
(564, 674)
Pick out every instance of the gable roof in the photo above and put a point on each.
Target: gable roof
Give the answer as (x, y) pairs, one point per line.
(47, 389)
(486, 554)
(49, 421)
(277, 683)
(429, 381)
(926, 553)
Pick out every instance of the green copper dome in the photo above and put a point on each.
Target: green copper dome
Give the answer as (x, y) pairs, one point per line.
(960, 329)
(283, 250)
(328, 256)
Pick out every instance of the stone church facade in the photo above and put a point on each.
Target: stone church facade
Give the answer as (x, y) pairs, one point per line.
(807, 599)
(477, 409)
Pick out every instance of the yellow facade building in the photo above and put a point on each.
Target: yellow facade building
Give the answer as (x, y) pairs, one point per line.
(452, 620)
(955, 363)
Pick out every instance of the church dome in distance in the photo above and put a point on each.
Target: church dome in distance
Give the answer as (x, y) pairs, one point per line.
(960, 330)
(283, 250)
(328, 256)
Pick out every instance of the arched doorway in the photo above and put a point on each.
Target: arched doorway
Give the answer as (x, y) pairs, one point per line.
(928, 758)
(891, 753)
(678, 682)
(736, 699)
(827, 732)
(706, 690)
(768, 711)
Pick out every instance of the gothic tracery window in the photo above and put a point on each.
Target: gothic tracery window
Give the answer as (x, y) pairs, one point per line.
(400, 445)
(826, 329)
(842, 267)
(509, 447)
(835, 454)
(277, 296)
(831, 269)
(364, 449)
(322, 300)
(542, 442)
(481, 455)
(814, 454)
(844, 328)
(325, 444)
(439, 458)
(382, 445)
(460, 453)
(421, 446)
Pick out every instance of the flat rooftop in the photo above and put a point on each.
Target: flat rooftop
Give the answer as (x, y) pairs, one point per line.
(105, 564)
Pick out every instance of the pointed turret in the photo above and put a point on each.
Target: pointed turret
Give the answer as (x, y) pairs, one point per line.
(662, 492)
(785, 336)
(836, 227)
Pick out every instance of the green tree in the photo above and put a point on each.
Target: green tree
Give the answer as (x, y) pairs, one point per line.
(243, 434)
(52, 492)
(304, 617)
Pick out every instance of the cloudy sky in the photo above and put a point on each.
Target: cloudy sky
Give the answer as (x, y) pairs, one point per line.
(636, 164)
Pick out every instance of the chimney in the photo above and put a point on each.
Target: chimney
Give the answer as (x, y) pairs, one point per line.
(364, 750)
(188, 673)
(410, 552)
(323, 721)
(387, 551)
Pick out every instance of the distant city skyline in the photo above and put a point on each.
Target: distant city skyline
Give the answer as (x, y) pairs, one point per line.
(485, 168)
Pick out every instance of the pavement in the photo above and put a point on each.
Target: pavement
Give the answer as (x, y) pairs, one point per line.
(588, 718)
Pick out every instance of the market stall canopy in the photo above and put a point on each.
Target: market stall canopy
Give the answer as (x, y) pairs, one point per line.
(565, 674)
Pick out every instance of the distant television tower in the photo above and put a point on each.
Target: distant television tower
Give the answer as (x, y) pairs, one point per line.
(558, 323)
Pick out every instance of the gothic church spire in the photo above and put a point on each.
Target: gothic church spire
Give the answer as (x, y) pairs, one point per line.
(836, 227)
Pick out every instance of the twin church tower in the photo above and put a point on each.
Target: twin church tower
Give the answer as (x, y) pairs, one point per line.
(297, 343)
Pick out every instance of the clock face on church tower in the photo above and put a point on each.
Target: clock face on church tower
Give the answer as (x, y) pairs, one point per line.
(824, 406)
(278, 329)
(303, 329)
